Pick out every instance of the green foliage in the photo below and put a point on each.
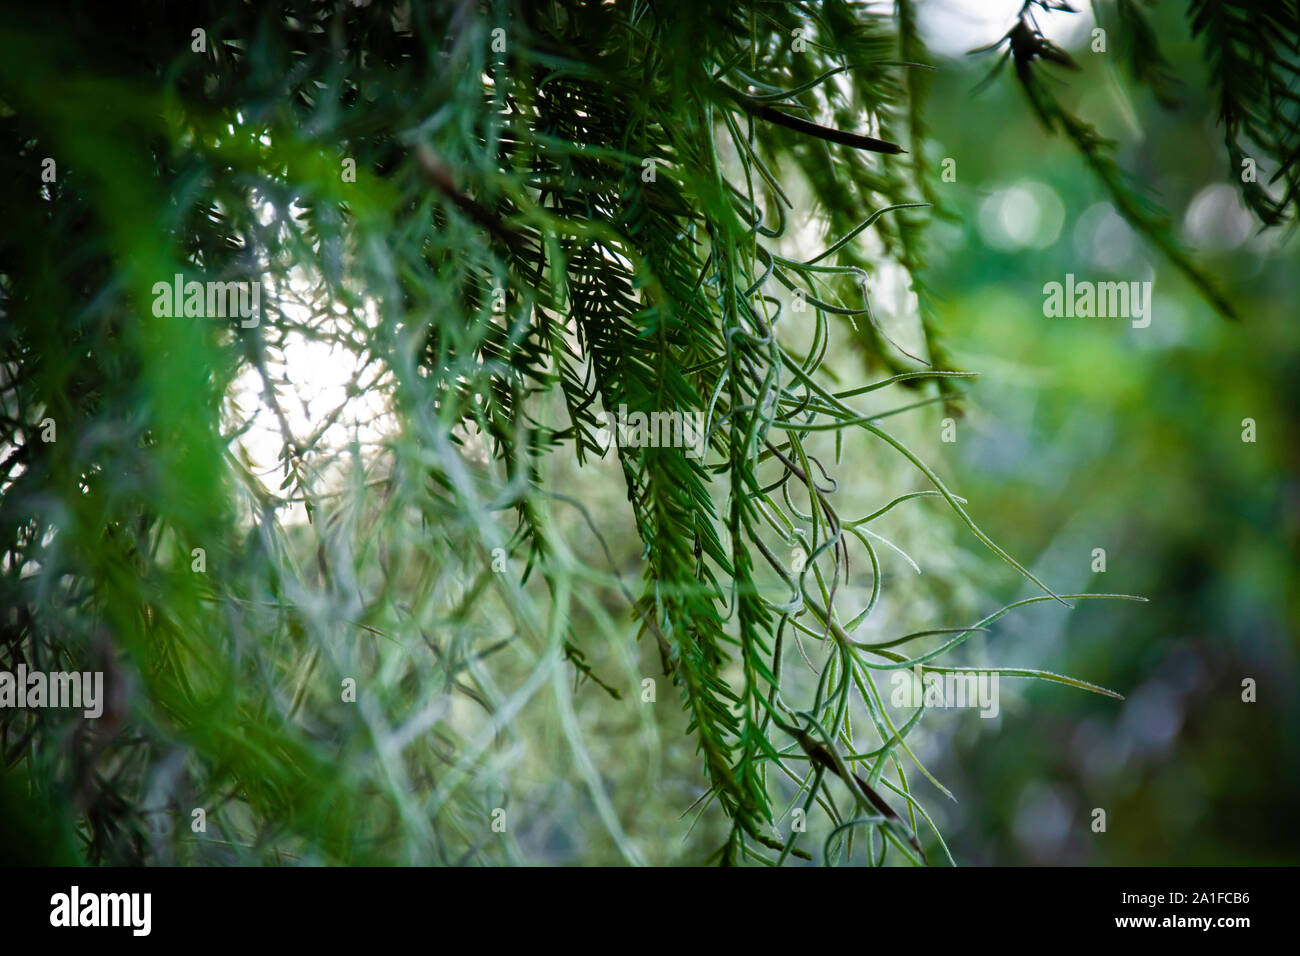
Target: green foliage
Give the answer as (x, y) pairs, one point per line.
(624, 174)
(1253, 52)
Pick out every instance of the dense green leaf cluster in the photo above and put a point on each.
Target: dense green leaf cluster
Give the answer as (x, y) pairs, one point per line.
(588, 206)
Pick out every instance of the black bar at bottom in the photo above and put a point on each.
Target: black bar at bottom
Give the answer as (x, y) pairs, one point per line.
(335, 905)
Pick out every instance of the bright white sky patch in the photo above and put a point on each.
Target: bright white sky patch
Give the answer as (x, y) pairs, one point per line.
(327, 386)
(954, 27)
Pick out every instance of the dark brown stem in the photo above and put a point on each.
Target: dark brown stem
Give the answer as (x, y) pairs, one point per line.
(857, 141)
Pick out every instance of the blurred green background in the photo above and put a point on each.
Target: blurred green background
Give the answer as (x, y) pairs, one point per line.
(1086, 433)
